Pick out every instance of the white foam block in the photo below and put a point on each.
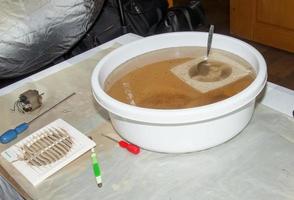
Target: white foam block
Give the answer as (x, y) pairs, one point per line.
(182, 72)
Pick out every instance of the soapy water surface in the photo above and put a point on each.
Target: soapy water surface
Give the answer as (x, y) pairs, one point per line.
(160, 79)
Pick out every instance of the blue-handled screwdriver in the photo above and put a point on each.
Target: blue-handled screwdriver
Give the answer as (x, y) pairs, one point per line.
(11, 134)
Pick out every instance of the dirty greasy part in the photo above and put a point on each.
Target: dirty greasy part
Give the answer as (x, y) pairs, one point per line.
(28, 101)
(161, 79)
(52, 145)
(210, 71)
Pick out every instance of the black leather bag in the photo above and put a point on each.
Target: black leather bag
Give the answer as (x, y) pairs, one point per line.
(183, 18)
(143, 16)
(137, 16)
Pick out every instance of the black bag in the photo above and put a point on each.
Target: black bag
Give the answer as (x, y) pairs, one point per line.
(143, 16)
(106, 27)
(137, 16)
(190, 17)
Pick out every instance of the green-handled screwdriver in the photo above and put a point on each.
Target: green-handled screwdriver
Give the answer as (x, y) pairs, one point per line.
(11, 134)
(96, 168)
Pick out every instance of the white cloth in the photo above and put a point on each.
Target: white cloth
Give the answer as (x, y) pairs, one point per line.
(7, 192)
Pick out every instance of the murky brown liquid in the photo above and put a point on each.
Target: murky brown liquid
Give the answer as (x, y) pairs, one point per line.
(146, 81)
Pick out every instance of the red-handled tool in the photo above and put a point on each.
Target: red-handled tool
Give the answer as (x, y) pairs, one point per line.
(123, 144)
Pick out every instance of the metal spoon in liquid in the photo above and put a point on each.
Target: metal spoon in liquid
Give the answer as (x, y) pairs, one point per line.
(203, 67)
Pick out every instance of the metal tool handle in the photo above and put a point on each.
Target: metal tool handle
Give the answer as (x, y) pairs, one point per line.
(51, 108)
(209, 41)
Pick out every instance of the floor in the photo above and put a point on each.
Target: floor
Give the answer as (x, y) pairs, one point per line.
(280, 63)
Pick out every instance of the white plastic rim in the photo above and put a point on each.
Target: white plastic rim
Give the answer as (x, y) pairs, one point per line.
(178, 116)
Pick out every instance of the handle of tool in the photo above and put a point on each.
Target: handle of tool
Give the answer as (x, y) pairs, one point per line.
(209, 41)
(130, 147)
(96, 168)
(11, 134)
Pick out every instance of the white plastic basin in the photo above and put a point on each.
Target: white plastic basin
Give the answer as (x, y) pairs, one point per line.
(180, 130)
